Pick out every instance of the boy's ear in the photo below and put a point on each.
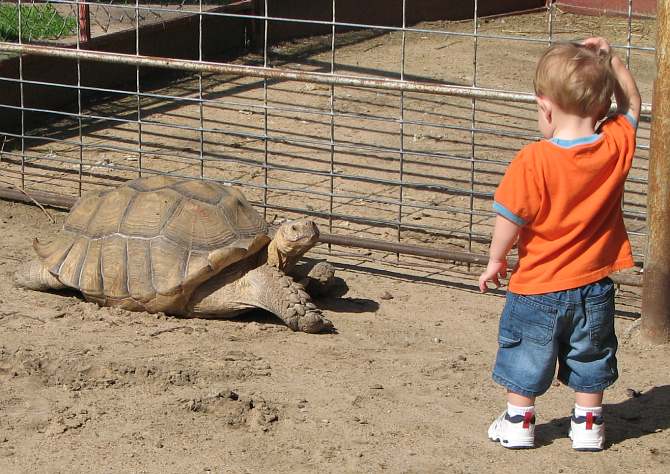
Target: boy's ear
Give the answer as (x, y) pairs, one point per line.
(545, 107)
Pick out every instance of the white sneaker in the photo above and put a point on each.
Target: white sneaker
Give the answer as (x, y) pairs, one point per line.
(587, 432)
(514, 432)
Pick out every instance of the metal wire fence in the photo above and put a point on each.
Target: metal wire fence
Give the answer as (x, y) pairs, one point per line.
(389, 129)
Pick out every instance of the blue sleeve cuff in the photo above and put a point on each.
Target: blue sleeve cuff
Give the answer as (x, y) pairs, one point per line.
(507, 214)
(630, 118)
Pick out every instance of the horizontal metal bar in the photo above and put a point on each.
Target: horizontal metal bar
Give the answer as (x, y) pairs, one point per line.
(273, 73)
(324, 144)
(265, 72)
(66, 202)
(236, 105)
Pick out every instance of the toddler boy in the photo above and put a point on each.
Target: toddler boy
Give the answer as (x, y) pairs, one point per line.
(561, 198)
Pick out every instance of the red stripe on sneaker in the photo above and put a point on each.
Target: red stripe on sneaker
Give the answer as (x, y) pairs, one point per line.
(589, 420)
(527, 417)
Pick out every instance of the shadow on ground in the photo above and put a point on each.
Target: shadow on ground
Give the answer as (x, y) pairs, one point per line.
(641, 415)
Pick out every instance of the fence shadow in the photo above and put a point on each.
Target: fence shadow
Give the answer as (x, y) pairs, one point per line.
(636, 417)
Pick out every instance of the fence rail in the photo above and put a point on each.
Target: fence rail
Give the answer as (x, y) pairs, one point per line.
(386, 131)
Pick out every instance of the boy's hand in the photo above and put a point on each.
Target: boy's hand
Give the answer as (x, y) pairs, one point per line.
(598, 43)
(626, 92)
(494, 269)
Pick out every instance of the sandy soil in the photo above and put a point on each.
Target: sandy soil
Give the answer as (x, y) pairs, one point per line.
(403, 386)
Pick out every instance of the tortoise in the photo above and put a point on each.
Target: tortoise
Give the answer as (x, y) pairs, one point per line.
(184, 247)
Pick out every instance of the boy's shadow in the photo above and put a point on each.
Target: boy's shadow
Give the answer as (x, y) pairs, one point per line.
(633, 418)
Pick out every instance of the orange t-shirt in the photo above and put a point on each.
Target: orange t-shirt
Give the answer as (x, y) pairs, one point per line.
(566, 195)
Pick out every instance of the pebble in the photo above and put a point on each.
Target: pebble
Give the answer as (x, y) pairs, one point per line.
(376, 386)
(632, 393)
(386, 296)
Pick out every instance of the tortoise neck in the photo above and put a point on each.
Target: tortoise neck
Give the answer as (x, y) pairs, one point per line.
(278, 259)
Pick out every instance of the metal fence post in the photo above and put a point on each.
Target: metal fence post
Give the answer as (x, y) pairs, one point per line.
(656, 288)
(84, 23)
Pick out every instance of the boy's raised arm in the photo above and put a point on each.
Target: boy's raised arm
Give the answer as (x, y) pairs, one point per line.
(626, 92)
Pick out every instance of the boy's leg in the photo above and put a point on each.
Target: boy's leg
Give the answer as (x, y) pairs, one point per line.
(589, 399)
(525, 365)
(519, 400)
(587, 427)
(588, 363)
(515, 427)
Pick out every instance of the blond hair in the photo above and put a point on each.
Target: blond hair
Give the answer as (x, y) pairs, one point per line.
(579, 79)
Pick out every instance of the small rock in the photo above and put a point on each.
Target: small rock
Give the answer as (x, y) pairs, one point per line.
(376, 386)
(632, 393)
(386, 296)
(437, 340)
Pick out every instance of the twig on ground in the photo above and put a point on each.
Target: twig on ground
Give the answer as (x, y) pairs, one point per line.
(53, 221)
(2, 149)
(176, 328)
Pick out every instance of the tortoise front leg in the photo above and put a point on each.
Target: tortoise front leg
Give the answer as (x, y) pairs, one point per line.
(263, 287)
(279, 293)
(34, 276)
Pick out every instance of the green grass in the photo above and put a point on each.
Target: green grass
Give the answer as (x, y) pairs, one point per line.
(37, 22)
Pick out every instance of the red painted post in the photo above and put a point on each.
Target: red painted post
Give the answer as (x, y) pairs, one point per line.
(656, 286)
(84, 23)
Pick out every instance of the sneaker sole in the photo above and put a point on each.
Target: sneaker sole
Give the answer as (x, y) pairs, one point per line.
(591, 447)
(587, 450)
(519, 445)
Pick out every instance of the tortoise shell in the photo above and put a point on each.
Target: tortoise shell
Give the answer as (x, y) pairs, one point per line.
(149, 243)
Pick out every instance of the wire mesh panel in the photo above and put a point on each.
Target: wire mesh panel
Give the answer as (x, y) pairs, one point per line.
(388, 120)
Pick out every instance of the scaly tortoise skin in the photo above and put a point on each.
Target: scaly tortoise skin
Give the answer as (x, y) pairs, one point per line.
(184, 247)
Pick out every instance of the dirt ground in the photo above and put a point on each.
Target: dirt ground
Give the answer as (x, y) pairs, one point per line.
(404, 385)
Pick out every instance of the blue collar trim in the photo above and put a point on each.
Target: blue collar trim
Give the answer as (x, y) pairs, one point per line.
(564, 143)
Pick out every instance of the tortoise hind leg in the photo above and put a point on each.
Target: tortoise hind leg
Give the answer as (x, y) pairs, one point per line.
(34, 276)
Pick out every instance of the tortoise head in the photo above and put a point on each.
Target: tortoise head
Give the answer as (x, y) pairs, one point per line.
(291, 241)
(294, 238)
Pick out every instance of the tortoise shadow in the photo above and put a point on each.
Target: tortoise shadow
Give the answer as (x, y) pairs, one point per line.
(639, 416)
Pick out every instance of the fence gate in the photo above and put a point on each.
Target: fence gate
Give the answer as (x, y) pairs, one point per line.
(390, 122)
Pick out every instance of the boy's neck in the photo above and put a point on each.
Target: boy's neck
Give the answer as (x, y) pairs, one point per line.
(570, 126)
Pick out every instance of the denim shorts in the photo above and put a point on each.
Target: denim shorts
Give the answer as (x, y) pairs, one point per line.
(575, 327)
